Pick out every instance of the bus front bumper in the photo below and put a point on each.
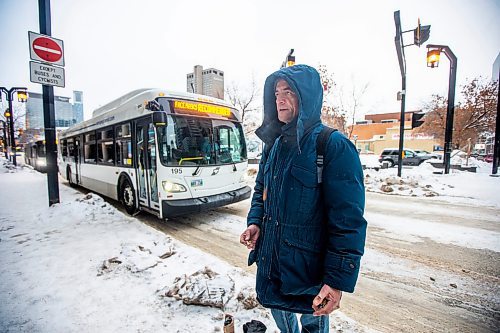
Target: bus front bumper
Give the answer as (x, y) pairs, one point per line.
(174, 208)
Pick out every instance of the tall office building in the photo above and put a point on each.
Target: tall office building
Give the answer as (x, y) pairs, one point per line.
(495, 75)
(66, 114)
(78, 106)
(209, 82)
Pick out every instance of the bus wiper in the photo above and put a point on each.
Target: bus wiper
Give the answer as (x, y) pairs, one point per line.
(234, 166)
(195, 173)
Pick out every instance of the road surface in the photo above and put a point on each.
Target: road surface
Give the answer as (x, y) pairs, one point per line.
(384, 301)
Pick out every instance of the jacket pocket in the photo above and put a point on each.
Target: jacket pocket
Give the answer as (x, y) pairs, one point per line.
(305, 193)
(301, 268)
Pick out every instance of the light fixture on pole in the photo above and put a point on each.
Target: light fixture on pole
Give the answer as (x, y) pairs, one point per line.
(433, 54)
(433, 58)
(289, 60)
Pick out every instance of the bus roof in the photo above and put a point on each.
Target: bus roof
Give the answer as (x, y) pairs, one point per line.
(148, 94)
(132, 105)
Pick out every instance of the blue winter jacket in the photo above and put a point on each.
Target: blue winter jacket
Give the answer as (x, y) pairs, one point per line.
(310, 234)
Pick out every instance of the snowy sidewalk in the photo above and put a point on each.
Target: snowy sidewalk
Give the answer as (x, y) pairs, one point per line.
(83, 266)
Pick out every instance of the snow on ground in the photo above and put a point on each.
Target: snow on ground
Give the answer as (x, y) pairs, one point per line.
(422, 181)
(83, 266)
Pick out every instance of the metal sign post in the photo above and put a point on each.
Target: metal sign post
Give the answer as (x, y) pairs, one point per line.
(52, 53)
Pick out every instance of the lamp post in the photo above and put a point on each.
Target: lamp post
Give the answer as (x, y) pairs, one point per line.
(9, 115)
(433, 54)
(5, 143)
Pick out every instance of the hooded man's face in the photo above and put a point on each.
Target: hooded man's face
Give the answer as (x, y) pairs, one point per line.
(287, 103)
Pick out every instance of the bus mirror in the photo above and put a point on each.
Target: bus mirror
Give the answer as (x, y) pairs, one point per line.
(159, 118)
(153, 105)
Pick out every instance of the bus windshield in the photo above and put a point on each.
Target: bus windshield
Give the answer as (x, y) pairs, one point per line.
(200, 141)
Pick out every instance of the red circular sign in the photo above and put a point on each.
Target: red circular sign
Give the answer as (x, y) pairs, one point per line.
(47, 49)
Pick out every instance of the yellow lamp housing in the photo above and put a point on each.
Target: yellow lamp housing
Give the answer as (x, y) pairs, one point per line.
(6, 113)
(22, 96)
(433, 58)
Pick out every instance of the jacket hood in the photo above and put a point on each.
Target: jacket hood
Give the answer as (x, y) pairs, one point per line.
(305, 82)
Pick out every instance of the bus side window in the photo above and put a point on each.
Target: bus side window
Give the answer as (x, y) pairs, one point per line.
(64, 146)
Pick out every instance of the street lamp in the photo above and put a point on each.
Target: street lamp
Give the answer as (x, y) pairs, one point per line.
(433, 53)
(5, 143)
(433, 58)
(22, 97)
(290, 59)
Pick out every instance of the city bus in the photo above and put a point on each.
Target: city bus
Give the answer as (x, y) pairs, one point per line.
(159, 151)
(35, 156)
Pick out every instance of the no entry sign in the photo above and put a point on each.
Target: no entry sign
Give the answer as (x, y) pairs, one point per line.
(46, 48)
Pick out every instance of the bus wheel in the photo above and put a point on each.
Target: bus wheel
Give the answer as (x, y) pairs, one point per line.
(68, 176)
(128, 197)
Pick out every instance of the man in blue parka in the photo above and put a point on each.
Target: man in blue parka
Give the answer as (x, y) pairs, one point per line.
(307, 238)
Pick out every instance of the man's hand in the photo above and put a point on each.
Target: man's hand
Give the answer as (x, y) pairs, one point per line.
(250, 236)
(327, 301)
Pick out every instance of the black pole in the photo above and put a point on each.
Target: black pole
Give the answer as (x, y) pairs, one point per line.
(49, 114)
(11, 128)
(448, 135)
(402, 125)
(398, 41)
(496, 148)
(5, 139)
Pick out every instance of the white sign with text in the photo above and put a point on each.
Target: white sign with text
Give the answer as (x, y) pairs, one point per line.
(46, 74)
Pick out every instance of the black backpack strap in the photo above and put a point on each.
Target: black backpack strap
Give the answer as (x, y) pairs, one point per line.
(321, 142)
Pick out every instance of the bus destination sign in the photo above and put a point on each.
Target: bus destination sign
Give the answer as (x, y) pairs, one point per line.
(202, 108)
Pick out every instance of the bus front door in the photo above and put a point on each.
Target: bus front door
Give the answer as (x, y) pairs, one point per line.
(146, 168)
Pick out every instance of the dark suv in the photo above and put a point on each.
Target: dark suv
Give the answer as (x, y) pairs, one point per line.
(391, 155)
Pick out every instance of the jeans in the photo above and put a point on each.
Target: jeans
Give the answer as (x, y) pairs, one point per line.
(287, 322)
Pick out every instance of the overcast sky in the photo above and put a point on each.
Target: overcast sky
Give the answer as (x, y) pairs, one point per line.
(113, 47)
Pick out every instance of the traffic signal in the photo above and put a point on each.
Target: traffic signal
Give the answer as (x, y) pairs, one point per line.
(415, 119)
(290, 61)
(421, 34)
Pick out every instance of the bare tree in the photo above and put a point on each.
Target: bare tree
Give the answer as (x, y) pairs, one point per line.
(330, 115)
(18, 115)
(349, 103)
(243, 99)
(473, 118)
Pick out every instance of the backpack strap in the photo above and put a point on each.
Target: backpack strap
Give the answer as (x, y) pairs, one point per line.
(321, 142)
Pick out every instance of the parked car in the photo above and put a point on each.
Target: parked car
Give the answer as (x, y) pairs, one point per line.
(421, 152)
(410, 157)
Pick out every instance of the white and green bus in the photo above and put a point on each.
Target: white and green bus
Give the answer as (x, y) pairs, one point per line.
(159, 151)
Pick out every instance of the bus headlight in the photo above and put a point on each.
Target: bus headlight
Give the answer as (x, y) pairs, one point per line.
(168, 186)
